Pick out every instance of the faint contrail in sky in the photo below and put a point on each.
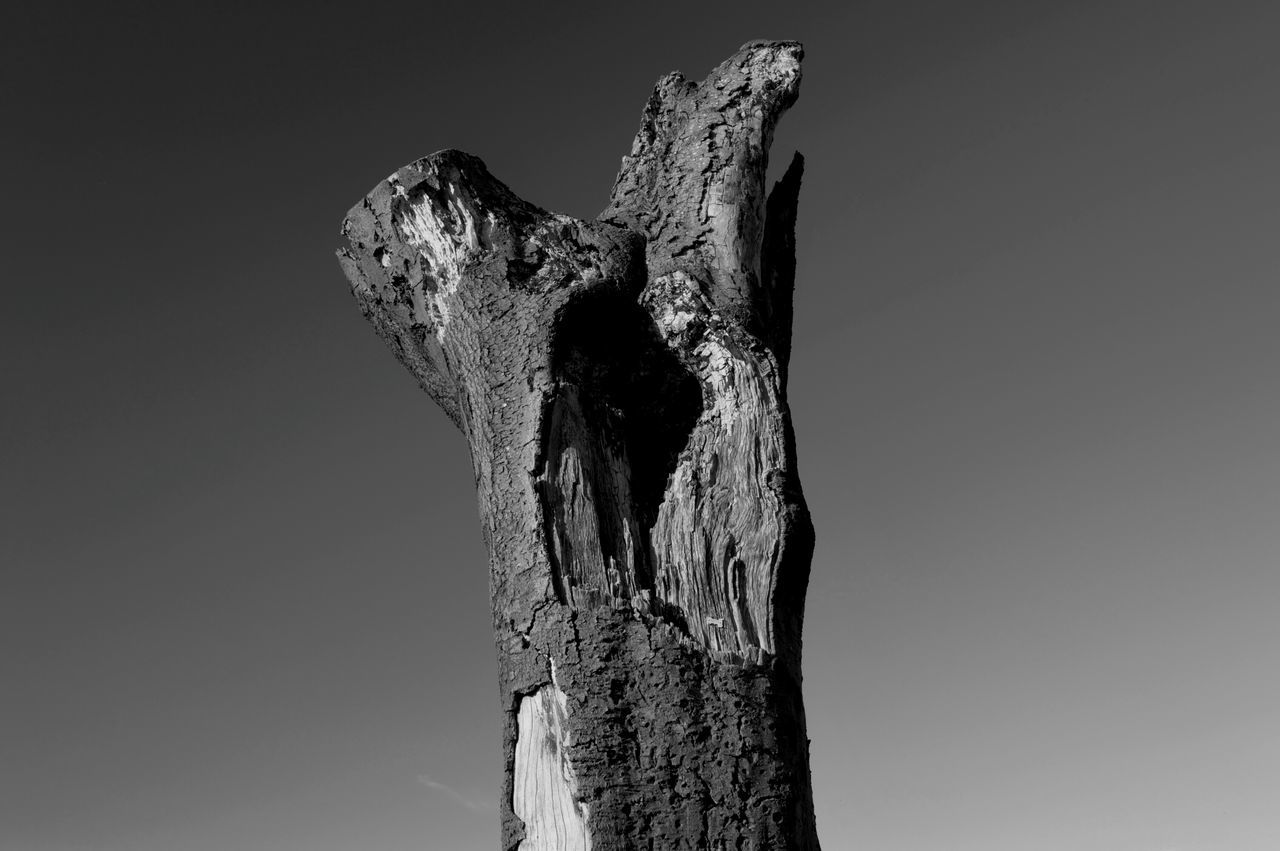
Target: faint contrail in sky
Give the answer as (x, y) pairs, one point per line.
(474, 806)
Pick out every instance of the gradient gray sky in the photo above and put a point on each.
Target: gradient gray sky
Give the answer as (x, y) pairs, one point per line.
(1034, 387)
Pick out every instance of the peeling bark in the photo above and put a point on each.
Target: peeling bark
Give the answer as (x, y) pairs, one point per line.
(622, 386)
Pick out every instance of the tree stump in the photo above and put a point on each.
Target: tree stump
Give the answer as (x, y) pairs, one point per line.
(622, 386)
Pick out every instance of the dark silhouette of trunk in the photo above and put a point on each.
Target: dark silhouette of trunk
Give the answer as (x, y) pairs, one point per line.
(622, 385)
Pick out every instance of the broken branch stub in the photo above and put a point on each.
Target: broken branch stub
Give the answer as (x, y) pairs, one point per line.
(621, 384)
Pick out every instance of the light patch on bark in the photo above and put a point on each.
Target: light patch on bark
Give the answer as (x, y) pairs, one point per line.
(545, 789)
(446, 236)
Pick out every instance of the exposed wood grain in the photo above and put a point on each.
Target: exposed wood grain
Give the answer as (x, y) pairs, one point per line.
(545, 791)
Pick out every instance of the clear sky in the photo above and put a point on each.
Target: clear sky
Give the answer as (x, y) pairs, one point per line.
(1034, 383)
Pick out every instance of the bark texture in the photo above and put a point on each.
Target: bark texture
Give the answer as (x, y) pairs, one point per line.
(622, 386)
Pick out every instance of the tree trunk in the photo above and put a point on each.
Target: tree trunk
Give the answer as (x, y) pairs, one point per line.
(621, 383)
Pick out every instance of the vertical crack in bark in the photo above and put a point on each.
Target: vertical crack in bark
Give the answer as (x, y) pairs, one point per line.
(778, 261)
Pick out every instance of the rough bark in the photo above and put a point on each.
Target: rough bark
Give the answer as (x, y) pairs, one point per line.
(621, 384)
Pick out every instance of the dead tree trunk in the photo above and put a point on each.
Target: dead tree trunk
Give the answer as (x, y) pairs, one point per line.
(621, 383)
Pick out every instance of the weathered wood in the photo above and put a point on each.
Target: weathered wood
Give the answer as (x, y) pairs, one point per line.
(622, 386)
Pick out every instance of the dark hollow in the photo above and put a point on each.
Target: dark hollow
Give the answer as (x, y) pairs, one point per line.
(638, 392)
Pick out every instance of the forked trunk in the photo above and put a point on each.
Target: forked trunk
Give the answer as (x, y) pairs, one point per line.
(622, 385)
